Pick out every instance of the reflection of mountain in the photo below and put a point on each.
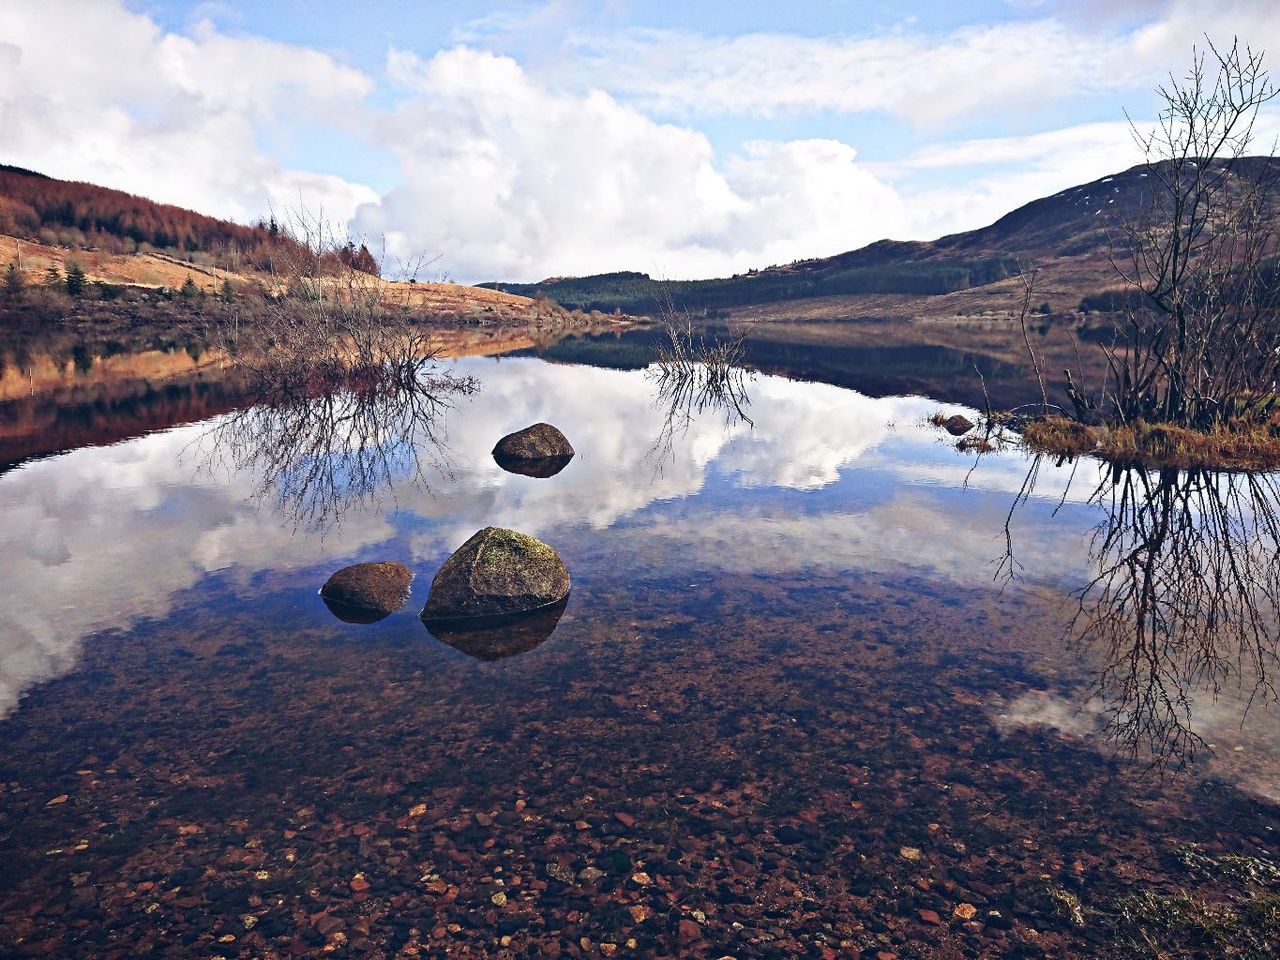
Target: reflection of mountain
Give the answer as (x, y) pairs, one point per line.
(923, 369)
(106, 413)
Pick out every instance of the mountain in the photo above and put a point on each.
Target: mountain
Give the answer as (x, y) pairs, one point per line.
(1068, 234)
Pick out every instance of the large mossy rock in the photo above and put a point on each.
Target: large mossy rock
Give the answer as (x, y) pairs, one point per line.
(365, 592)
(497, 572)
(541, 441)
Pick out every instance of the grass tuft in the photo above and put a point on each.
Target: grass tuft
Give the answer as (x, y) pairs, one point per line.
(1156, 445)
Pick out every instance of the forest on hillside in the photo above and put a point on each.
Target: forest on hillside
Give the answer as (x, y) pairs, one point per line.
(638, 293)
(65, 213)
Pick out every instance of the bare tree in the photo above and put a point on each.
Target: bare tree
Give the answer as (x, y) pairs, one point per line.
(1198, 348)
(328, 321)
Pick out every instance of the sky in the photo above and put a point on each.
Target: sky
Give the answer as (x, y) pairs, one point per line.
(522, 140)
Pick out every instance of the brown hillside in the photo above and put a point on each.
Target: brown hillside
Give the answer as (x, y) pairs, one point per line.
(156, 270)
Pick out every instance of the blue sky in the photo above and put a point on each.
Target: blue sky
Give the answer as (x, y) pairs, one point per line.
(525, 139)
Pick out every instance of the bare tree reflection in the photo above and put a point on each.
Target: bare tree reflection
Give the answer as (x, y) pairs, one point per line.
(1184, 599)
(694, 376)
(320, 449)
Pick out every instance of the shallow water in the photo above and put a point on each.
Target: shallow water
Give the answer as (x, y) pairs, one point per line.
(792, 708)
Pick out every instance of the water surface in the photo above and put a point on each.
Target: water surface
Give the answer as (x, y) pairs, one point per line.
(795, 706)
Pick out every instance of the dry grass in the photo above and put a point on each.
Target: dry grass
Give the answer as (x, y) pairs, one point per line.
(1250, 447)
(158, 270)
(1061, 437)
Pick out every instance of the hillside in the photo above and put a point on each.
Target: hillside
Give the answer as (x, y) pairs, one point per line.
(72, 214)
(131, 245)
(1068, 237)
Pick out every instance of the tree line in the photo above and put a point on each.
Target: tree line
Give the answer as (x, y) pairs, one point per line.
(638, 293)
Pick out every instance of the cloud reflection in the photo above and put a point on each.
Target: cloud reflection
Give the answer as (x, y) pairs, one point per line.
(103, 537)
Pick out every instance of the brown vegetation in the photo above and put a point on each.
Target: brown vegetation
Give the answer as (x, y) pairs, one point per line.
(1247, 446)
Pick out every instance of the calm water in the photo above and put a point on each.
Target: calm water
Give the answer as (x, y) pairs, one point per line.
(794, 706)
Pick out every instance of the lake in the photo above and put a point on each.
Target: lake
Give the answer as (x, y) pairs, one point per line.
(825, 686)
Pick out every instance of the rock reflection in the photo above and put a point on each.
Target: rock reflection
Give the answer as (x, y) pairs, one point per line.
(542, 467)
(320, 453)
(349, 614)
(1183, 601)
(496, 638)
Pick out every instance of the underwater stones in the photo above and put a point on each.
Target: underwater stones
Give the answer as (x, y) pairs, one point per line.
(496, 573)
(367, 592)
(957, 425)
(537, 451)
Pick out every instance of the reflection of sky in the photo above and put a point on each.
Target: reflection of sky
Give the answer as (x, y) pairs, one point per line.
(826, 480)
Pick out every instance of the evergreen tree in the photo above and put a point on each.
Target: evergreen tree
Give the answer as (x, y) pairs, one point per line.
(53, 276)
(13, 282)
(75, 280)
(189, 290)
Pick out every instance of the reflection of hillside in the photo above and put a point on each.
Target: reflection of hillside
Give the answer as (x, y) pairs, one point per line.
(106, 413)
(937, 370)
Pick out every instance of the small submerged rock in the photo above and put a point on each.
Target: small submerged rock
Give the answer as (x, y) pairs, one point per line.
(957, 425)
(367, 592)
(496, 573)
(537, 451)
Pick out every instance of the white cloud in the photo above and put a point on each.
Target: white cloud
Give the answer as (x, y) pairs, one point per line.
(513, 180)
(91, 91)
(556, 165)
(929, 79)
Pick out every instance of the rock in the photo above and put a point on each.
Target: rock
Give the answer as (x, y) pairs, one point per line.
(689, 932)
(964, 911)
(537, 451)
(957, 425)
(788, 834)
(367, 592)
(496, 573)
(541, 441)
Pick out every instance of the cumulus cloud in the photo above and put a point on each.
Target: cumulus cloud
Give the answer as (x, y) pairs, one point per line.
(91, 91)
(511, 179)
(518, 169)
